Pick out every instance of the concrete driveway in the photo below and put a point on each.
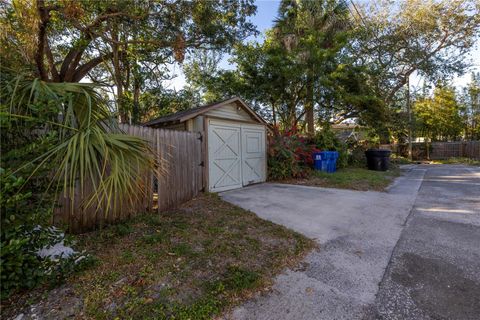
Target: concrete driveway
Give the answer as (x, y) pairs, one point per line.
(371, 262)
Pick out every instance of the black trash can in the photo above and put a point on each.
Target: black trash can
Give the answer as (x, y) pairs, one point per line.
(378, 159)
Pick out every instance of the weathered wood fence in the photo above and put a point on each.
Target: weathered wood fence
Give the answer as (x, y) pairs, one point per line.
(442, 150)
(180, 178)
(445, 150)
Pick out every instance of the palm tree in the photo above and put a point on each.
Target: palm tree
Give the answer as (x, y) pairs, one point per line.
(90, 148)
(307, 27)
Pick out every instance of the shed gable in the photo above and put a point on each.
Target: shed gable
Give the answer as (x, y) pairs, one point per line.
(230, 111)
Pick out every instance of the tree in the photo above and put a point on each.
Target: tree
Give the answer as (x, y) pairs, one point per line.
(272, 80)
(394, 40)
(347, 95)
(314, 32)
(428, 37)
(293, 72)
(157, 102)
(267, 77)
(470, 100)
(72, 38)
(438, 117)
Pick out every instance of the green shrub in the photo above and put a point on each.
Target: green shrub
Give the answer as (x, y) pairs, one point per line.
(24, 232)
(326, 140)
(20, 266)
(356, 155)
(26, 203)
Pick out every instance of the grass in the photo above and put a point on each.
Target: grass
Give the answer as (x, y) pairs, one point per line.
(190, 263)
(398, 160)
(465, 161)
(351, 178)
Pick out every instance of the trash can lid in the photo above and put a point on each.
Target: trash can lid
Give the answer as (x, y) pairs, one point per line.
(378, 152)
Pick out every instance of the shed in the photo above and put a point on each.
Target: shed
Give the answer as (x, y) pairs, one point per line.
(235, 140)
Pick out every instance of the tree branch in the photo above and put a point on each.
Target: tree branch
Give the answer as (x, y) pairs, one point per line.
(414, 67)
(51, 62)
(82, 71)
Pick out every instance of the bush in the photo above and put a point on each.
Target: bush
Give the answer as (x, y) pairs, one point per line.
(289, 155)
(20, 266)
(26, 203)
(356, 154)
(23, 234)
(326, 140)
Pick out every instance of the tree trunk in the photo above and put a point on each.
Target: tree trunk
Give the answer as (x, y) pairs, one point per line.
(427, 148)
(117, 76)
(292, 117)
(409, 111)
(136, 102)
(274, 114)
(309, 114)
(44, 16)
(119, 84)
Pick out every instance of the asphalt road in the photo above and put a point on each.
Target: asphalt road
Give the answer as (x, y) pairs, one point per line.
(411, 253)
(434, 272)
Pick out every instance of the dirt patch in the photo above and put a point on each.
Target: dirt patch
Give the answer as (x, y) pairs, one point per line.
(190, 263)
(438, 287)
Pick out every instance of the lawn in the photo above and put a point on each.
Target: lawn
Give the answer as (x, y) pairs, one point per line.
(351, 178)
(465, 161)
(191, 263)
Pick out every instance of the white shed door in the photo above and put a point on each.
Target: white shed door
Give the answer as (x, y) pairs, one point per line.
(253, 155)
(236, 155)
(224, 154)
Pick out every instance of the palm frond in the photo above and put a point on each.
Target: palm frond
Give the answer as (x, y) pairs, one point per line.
(91, 148)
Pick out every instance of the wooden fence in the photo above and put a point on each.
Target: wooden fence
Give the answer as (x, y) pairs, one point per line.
(441, 150)
(180, 178)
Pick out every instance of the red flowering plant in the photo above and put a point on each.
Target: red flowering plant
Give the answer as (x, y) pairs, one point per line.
(289, 155)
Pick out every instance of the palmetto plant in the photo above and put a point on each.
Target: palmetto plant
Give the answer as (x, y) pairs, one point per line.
(89, 147)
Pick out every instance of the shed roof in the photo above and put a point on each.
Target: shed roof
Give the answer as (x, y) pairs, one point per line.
(185, 115)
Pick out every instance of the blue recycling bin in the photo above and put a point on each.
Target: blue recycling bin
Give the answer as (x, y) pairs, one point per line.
(325, 161)
(319, 161)
(332, 163)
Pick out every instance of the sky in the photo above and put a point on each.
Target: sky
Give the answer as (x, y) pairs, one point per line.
(266, 14)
